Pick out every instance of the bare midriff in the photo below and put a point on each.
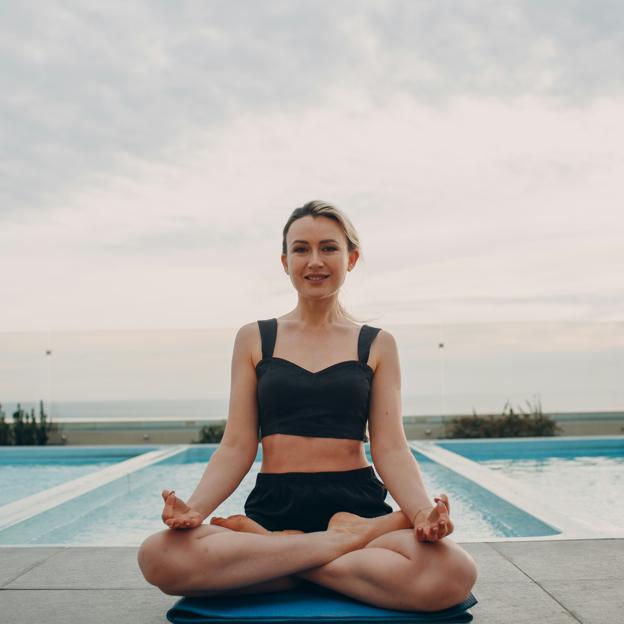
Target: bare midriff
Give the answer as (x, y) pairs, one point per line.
(293, 453)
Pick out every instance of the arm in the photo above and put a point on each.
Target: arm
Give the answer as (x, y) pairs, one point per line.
(390, 452)
(239, 445)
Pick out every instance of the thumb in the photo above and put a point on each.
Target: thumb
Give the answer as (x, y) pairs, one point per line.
(445, 501)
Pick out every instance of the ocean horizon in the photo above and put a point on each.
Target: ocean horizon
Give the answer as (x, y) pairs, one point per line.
(216, 409)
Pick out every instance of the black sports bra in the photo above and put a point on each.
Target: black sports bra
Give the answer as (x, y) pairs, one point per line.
(330, 403)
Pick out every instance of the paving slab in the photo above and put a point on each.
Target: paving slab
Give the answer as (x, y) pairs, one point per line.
(567, 560)
(112, 567)
(493, 566)
(17, 561)
(517, 603)
(595, 601)
(559, 582)
(106, 606)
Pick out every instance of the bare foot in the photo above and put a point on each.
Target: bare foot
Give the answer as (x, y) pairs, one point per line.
(244, 524)
(240, 523)
(366, 529)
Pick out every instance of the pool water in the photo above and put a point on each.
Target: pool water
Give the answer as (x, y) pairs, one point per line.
(25, 471)
(126, 511)
(582, 478)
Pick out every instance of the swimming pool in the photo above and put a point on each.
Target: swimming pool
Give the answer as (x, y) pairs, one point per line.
(123, 511)
(577, 475)
(28, 470)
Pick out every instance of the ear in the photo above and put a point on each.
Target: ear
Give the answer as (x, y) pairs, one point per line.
(353, 258)
(284, 263)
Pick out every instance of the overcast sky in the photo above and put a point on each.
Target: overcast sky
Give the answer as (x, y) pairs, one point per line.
(151, 152)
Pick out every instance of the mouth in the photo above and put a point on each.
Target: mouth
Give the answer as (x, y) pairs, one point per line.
(316, 278)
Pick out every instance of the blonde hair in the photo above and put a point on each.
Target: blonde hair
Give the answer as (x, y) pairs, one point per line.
(318, 208)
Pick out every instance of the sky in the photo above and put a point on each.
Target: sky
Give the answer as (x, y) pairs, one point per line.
(151, 153)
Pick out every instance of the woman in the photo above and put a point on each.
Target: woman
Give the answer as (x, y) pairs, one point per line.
(317, 511)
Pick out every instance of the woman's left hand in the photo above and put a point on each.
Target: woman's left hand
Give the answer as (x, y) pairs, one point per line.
(433, 523)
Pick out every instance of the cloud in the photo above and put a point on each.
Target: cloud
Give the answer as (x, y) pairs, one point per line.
(90, 90)
(450, 230)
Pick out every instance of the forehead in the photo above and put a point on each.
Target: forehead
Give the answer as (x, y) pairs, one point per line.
(311, 229)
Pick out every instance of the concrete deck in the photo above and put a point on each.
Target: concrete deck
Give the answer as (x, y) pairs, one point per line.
(535, 581)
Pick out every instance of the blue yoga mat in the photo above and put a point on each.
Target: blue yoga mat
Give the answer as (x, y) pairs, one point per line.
(307, 604)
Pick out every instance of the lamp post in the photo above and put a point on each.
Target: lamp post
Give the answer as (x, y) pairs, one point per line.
(442, 378)
(49, 397)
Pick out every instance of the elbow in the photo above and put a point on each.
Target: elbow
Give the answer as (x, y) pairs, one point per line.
(380, 453)
(247, 452)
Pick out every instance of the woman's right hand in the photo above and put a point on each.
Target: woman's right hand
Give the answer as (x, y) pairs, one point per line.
(177, 514)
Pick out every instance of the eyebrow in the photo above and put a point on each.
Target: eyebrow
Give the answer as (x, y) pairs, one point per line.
(327, 240)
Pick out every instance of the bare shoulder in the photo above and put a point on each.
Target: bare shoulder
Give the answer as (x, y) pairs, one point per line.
(247, 341)
(247, 331)
(384, 348)
(385, 341)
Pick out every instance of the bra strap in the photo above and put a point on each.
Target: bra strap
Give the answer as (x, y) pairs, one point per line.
(367, 335)
(268, 334)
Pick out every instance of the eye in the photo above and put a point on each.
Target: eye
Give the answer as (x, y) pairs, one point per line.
(330, 247)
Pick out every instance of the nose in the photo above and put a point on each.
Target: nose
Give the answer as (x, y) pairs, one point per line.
(315, 259)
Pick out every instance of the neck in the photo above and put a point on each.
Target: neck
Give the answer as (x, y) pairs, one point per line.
(317, 314)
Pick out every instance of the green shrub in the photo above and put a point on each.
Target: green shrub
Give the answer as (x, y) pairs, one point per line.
(6, 433)
(25, 429)
(210, 434)
(509, 424)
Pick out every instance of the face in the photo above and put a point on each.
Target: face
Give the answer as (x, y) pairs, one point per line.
(317, 246)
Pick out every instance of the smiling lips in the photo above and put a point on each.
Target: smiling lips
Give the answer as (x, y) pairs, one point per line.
(316, 278)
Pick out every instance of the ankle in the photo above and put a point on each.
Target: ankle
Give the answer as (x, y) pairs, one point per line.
(346, 541)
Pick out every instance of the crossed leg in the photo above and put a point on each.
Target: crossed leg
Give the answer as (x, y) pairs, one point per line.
(441, 573)
(393, 570)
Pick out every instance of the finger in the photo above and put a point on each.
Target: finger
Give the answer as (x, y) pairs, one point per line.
(434, 532)
(446, 501)
(171, 500)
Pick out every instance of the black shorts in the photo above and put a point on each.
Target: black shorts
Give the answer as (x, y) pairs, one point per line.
(307, 500)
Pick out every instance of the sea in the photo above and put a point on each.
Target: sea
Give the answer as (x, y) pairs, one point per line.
(217, 409)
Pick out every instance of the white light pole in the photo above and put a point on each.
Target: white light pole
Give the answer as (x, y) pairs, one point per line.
(442, 377)
(49, 397)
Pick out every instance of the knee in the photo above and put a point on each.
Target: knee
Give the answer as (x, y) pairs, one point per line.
(464, 574)
(468, 573)
(152, 558)
(451, 583)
